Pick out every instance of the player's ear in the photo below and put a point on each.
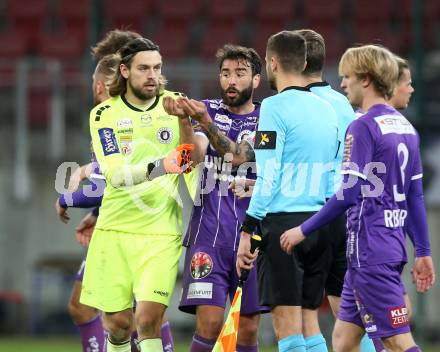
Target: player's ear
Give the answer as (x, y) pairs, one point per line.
(365, 81)
(256, 81)
(124, 70)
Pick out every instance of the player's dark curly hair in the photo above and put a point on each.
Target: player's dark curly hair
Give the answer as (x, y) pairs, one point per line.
(126, 53)
(112, 42)
(237, 52)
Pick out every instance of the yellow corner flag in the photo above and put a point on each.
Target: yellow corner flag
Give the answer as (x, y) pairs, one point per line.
(227, 340)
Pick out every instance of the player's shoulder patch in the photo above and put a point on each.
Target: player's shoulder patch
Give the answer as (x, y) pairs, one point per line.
(99, 111)
(265, 140)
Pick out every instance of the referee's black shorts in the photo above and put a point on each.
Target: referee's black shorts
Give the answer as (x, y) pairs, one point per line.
(338, 266)
(297, 279)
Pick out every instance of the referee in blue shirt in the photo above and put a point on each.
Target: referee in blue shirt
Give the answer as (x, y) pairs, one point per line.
(295, 147)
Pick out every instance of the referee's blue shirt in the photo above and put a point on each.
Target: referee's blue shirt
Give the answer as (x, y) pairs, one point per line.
(293, 167)
(345, 115)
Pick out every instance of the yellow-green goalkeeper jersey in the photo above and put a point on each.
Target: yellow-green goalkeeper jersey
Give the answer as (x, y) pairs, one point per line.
(124, 136)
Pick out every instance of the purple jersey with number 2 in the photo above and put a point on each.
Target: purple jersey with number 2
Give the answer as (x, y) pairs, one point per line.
(381, 147)
(217, 219)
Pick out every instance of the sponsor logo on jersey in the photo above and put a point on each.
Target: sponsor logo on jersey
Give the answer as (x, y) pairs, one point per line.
(124, 123)
(348, 145)
(165, 117)
(200, 290)
(394, 124)
(222, 119)
(146, 120)
(108, 141)
(201, 265)
(164, 135)
(398, 316)
(161, 293)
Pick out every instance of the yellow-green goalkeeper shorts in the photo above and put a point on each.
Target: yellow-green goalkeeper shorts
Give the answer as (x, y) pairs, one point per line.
(121, 267)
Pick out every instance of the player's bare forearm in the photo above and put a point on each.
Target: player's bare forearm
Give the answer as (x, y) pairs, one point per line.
(241, 153)
(187, 136)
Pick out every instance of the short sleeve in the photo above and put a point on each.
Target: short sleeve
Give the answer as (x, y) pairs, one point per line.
(358, 149)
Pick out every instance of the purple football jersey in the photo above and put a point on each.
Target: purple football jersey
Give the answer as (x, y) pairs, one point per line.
(381, 147)
(217, 219)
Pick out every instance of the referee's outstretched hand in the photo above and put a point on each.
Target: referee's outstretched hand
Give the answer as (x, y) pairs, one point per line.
(290, 238)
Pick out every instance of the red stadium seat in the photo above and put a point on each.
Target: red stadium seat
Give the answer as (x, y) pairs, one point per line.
(128, 14)
(372, 11)
(217, 36)
(173, 42)
(275, 12)
(75, 14)
(319, 11)
(227, 11)
(178, 10)
(261, 34)
(14, 45)
(335, 41)
(65, 46)
(377, 34)
(28, 18)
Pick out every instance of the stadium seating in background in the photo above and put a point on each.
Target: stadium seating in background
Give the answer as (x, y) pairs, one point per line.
(177, 13)
(378, 34)
(321, 12)
(369, 12)
(28, 18)
(216, 36)
(14, 44)
(274, 13)
(75, 16)
(173, 41)
(261, 33)
(223, 12)
(430, 23)
(131, 14)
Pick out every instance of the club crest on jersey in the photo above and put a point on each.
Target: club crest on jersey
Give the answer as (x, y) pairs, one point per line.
(246, 135)
(201, 265)
(146, 120)
(164, 135)
(265, 140)
(108, 141)
(398, 316)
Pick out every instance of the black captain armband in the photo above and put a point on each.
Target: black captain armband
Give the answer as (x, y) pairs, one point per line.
(249, 224)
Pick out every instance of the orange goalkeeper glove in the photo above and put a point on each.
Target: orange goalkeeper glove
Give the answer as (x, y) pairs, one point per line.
(176, 162)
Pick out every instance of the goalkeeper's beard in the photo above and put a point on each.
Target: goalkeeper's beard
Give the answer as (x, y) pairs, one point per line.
(138, 93)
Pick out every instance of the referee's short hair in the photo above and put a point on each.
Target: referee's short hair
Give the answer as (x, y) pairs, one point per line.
(289, 48)
(315, 45)
(375, 62)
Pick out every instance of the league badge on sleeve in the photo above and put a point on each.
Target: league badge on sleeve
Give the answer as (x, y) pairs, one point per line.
(108, 141)
(265, 140)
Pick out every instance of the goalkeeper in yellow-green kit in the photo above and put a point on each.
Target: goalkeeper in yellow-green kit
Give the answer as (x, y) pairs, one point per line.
(136, 245)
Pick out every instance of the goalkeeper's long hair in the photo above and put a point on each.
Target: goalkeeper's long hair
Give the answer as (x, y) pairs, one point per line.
(126, 55)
